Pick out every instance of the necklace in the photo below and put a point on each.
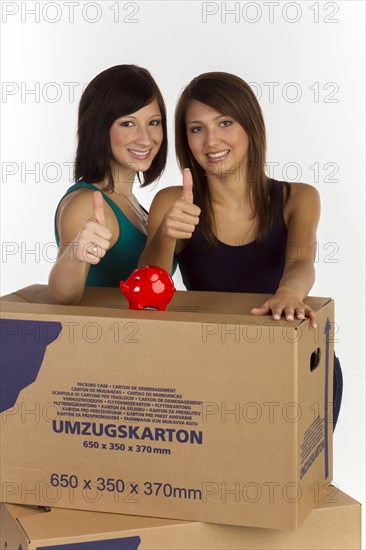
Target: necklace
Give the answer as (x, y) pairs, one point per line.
(138, 212)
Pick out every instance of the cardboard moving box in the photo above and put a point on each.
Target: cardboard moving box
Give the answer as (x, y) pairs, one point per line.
(334, 525)
(202, 412)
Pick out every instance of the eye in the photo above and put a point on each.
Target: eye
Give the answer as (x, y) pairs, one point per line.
(137, 278)
(156, 122)
(225, 123)
(196, 129)
(127, 124)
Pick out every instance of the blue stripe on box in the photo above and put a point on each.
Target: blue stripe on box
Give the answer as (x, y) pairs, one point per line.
(23, 346)
(326, 404)
(129, 543)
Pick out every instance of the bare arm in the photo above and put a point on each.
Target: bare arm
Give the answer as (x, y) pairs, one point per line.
(299, 273)
(84, 240)
(172, 219)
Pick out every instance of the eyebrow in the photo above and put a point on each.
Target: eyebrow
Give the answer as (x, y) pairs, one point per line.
(130, 116)
(200, 121)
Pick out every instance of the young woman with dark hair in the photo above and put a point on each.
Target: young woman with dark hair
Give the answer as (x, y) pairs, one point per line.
(231, 228)
(100, 227)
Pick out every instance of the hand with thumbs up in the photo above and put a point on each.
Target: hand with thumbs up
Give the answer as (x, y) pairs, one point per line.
(93, 240)
(67, 278)
(183, 216)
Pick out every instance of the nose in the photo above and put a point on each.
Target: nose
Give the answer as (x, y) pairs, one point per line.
(143, 138)
(212, 138)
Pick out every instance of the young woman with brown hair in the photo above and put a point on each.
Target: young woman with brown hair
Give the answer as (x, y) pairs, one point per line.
(231, 228)
(100, 226)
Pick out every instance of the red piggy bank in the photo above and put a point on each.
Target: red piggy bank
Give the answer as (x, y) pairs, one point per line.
(148, 287)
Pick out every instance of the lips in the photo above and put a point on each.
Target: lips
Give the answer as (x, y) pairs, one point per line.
(217, 156)
(141, 155)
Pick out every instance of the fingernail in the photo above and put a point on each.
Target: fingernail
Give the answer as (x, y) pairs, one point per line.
(276, 316)
(314, 325)
(290, 317)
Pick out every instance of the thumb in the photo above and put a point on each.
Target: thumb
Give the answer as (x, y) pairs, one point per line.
(98, 208)
(187, 191)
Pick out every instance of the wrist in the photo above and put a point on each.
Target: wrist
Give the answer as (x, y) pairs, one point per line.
(76, 253)
(285, 290)
(166, 233)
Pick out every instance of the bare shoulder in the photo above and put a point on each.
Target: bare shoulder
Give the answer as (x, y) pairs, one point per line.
(165, 197)
(168, 194)
(75, 209)
(76, 203)
(303, 198)
(301, 191)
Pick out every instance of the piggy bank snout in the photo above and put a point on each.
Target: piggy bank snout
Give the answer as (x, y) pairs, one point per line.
(123, 286)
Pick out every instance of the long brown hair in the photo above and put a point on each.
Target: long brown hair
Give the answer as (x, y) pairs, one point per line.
(231, 96)
(117, 91)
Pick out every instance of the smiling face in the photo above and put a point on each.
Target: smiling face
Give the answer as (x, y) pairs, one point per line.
(218, 142)
(136, 138)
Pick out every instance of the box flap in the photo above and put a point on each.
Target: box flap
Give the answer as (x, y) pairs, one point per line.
(18, 511)
(63, 523)
(183, 302)
(31, 294)
(335, 498)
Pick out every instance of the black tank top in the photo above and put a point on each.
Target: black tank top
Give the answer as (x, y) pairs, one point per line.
(246, 268)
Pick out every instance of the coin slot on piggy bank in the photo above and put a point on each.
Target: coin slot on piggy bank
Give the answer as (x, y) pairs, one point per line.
(148, 287)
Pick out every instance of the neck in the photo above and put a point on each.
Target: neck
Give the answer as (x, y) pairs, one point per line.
(123, 179)
(229, 188)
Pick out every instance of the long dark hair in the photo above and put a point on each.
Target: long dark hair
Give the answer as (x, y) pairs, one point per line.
(230, 95)
(117, 91)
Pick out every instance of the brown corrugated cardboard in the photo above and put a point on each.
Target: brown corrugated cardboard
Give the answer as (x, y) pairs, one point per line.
(202, 412)
(334, 525)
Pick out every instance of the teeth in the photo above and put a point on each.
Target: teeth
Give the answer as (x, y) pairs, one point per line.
(218, 155)
(139, 153)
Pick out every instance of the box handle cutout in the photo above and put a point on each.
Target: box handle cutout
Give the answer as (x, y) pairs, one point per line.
(44, 508)
(314, 359)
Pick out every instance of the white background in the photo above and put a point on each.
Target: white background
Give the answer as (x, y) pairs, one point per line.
(305, 60)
